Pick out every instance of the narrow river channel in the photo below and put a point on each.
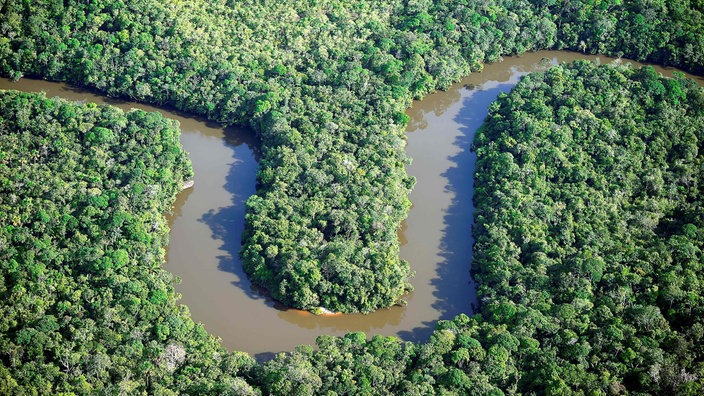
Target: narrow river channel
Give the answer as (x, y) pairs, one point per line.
(207, 221)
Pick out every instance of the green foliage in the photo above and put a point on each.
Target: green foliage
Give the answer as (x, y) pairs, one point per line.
(664, 32)
(588, 217)
(589, 213)
(588, 195)
(323, 84)
(85, 306)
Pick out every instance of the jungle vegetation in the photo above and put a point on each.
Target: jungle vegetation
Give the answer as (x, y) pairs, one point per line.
(86, 307)
(589, 211)
(589, 269)
(324, 85)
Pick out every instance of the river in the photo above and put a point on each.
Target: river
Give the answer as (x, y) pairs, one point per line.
(207, 220)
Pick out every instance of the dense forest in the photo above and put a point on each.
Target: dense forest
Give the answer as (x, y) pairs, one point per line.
(325, 85)
(86, 307)
(589, 228)
(589, 255)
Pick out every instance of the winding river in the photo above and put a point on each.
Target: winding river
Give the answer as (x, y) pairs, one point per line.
(207, 220)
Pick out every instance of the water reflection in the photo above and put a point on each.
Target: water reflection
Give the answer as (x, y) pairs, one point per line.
(436, 104)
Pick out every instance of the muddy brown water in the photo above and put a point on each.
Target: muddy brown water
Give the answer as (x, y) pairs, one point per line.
(207, 220)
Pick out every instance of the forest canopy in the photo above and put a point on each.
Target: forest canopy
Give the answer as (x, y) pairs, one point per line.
(588, 194)
(86, 307)
(589, 252)
(589, 228)
(589, 222)
(324, 84)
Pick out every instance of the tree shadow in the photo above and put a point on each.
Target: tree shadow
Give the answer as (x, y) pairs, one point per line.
(436, 103)
(125, 105)
(227, 223)
(420, 333)
(455, 289)
(264, 357)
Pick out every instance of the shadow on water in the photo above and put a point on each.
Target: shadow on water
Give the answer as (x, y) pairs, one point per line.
(455, 290)
(240, 132)
(176, 212)
(440, 102)
(227, 223)
(264, 357)
(420, 333)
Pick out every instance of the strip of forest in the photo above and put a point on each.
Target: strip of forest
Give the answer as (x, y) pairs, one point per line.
(324, 85)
